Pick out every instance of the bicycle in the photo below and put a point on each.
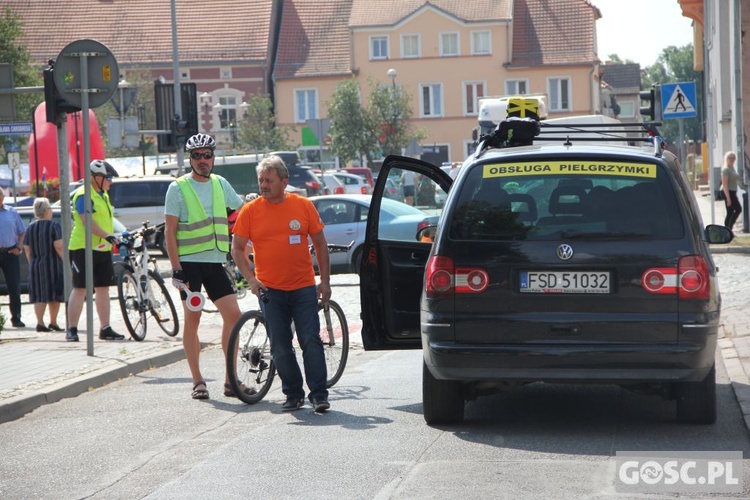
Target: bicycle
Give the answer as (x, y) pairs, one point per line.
(140, 288)
(249, 360)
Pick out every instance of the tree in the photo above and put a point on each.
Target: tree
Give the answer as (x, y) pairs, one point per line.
(258, 127)
(379, 129)
(675, 64)
(351, 134)
(25, 74)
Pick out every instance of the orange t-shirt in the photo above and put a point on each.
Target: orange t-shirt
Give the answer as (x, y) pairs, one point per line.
(280, 244)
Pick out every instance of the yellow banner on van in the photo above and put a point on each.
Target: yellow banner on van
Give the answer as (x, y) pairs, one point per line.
(573, 167)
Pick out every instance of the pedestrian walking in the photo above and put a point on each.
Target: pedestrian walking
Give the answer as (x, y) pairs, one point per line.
(408, 183)
(197, 238)
(279, 224)
(102, 239)
(12, 231)
(729, 178)
(44, 251)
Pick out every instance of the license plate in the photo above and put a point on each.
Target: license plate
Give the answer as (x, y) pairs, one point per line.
(564, 282)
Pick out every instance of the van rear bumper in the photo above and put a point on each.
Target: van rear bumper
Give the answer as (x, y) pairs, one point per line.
(585, 363)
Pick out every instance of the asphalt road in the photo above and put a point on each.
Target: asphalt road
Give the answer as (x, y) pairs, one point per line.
(143, 437)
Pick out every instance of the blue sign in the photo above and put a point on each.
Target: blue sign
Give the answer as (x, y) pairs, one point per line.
(678, 100)
(19, 128)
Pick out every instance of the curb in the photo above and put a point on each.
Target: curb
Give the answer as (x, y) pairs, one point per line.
(19, 406)
(737, 376)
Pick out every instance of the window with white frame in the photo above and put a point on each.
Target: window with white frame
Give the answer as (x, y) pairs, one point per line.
(559, 94)
(449, 44)
(472, 92)
(410, 46)
(227, 111)
(627, 109)
(379, 47)
(481, 43)
(431, 100)
(516, 87)
(305, 104)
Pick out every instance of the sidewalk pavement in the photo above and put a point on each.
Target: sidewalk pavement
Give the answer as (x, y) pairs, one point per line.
(40, 368)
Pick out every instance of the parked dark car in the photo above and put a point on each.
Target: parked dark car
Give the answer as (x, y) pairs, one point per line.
(576, 263)
(305, 178)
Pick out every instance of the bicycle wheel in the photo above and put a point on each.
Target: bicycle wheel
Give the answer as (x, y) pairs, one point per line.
(334, 332)
(133, 310)
(161, 305)
(249, 361)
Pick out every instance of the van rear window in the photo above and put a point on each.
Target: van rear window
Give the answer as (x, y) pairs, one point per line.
(592, 200)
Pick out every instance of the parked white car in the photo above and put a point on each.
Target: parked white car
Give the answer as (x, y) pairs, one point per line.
(353, 184)
(331, 184)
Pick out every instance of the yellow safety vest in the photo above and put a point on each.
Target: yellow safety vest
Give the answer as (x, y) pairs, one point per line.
(101, 214)
(201, 232)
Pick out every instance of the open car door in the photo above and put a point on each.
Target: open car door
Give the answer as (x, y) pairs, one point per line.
(393, 263)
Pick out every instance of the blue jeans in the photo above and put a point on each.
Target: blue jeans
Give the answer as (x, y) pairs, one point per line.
(300, 306)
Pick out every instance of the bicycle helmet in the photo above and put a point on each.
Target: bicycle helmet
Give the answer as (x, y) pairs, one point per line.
(101, 167)
(200, 141)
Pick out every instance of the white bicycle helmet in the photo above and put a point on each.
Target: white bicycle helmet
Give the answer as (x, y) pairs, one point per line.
(200, 141)
(101, 167)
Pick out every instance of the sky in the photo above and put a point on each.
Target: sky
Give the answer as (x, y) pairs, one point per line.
(639, 30)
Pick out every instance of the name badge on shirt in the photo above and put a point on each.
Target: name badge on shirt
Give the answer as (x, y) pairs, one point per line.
(295, 239)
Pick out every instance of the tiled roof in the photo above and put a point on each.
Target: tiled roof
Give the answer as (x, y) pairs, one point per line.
(139, 32)
(547, 32)
(390, 12)
(622, 77)
(314, 39)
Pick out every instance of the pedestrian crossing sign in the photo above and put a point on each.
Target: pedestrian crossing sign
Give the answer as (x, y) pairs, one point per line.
(678, 100)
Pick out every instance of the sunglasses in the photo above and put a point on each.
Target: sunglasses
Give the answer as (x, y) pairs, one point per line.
(207, 155)
(109, 179)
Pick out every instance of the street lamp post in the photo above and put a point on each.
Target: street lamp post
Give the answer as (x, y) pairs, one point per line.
(121, 86)
(141, 127)
(233, 133)
(206, 100)
(392, 74)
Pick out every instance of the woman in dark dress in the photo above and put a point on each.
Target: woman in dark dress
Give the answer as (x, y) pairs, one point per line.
(43, 245)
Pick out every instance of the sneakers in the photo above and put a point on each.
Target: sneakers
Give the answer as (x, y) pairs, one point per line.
(72, 334)
(17, 323)
(293, 403)
(320, 405)
(108, 333)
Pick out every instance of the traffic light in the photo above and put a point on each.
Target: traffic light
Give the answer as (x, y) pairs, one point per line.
(181, 131)
(55, 104)
(652, 111)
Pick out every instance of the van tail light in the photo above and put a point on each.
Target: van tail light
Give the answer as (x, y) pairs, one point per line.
(313, 185)
(442, 279)
(689, 280)
(364, 189)
(339, 190)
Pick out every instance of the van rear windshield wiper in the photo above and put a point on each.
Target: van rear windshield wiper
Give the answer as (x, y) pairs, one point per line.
(576, 235)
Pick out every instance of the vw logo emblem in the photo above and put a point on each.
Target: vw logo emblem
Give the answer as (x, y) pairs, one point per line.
(565, 252)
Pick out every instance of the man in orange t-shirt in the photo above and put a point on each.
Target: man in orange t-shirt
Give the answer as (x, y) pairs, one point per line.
(279, 224)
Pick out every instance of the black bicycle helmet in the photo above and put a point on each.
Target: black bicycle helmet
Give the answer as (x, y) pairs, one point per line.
(101, 167)
(200, 141)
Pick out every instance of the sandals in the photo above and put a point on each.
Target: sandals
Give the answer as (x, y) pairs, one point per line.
(200, 393)
(229, 392)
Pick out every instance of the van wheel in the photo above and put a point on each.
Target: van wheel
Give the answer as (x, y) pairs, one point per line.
(442, 400)
(159, 243)
(696, 401)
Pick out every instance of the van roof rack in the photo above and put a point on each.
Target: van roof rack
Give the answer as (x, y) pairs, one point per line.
(516, 131)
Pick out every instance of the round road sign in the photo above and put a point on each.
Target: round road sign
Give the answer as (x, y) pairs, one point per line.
(101, 66)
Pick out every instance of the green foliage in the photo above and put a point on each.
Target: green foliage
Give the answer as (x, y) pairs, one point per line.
(25, 74)
(675, 64)
(351, 134)
(258, 128)
(379, 129)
